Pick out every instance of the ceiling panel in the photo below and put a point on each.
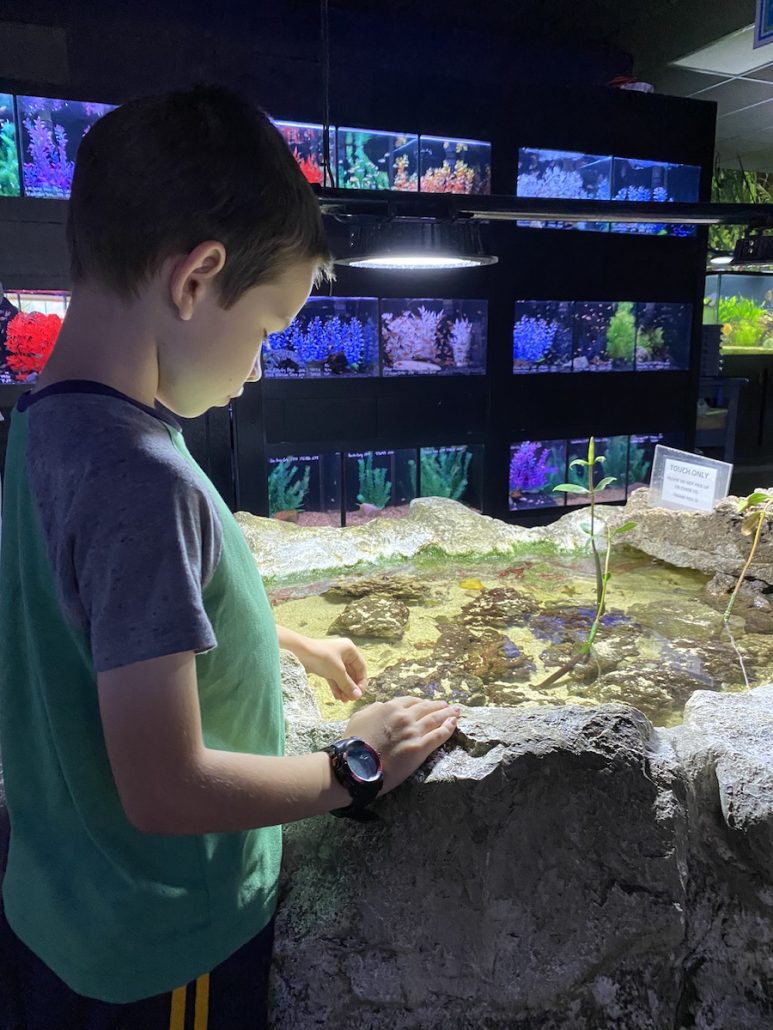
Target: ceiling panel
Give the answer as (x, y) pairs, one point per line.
(737, 94)
(765, 73)
(682, 83)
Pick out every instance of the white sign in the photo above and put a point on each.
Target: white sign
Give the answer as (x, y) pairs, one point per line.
(688, 481)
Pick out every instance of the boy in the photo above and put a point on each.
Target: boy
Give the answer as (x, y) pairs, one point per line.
(140, 704)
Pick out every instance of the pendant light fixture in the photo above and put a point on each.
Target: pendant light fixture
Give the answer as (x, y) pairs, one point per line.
(415, 244)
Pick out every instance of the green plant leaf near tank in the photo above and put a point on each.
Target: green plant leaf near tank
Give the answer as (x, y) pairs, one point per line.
(621, 334)
(374, 488)
(287, 492)
(744, 323)
(736, 186)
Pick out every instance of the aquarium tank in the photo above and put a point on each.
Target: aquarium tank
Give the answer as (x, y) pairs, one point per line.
(31, 328)
(305, 489)
(9, 154)
(453, 472)
(604, 336)
(564, 174)
(742, 303)
(426, 336)
(454, 165)
(663, 334)
(330, 336)
(639, 180)
(542, 336)
(369, 159)
(306, 143)
(51, 131)
(536, 467)
(379, 483)
(614, 450)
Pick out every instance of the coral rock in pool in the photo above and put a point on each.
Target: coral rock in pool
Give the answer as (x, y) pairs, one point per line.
(501, 606)
(373, 616)
(410, 589)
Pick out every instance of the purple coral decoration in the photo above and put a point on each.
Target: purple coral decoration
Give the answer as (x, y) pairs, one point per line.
(529, 469)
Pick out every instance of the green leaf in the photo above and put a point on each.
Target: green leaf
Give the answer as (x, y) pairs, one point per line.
(578, 461)
(625, 528)
(570, 488)
(591, 450)
(756, 498)
(606, 481)
(599, 460)
(750, 522)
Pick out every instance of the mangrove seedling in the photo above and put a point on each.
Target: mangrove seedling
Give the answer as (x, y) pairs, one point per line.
(756, 507)
(285, 491)
(603, 574)
(375, 488)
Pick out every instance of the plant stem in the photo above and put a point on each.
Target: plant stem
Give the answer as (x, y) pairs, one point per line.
(745, 569)
(602, 599)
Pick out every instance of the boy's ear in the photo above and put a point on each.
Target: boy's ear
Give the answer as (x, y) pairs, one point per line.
(192, 272)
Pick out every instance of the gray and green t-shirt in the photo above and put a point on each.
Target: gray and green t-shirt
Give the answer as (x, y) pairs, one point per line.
(116, 549)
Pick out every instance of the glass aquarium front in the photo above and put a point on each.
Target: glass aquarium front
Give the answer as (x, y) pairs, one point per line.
(536, 467)
(663, 337)
(370, 159)
(542, 336)
(379, 483)
(654, 181)
(563, 174)
(305, 489)
(604, 336)
(9, 154)
(614, 450)
(306, 143)
(454, 165)
(454, 472)
(51, 132)
(30, 321)
(743, 305)
(331, 336)
(426, 336)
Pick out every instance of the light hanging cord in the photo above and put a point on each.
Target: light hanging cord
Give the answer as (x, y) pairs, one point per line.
(328, 179)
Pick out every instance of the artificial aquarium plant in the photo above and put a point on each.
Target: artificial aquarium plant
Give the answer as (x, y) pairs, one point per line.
(744, 323)
(444, 473)
(30, 338)
(9, 162)
(621, 334)
(285, 491)
(603, 574)
(375, 488)
(530, 469)
(533, 338)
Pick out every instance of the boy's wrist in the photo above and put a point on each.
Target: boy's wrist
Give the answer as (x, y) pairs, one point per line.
(334, 794)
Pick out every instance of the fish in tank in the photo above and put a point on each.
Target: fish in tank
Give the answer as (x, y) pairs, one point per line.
(305, 489)
(379, 483)
(370, 159)
(9, 155)
(306, 143)
(536, 467)
(29, 325)
(542, 336)
(454, 165)
(453, 472)
(563, 174)
(604, 336)
(614, 450)
(330, 336)
(51, 131)
(663, 333)
(426, 336)
(653, 181)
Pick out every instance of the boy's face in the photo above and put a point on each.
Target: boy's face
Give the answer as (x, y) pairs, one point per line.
(207, 353)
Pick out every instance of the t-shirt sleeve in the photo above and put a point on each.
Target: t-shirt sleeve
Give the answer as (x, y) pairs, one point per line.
(133, 536)
(141, 563)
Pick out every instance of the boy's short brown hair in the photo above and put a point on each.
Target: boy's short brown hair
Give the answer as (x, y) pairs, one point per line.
(159, 175)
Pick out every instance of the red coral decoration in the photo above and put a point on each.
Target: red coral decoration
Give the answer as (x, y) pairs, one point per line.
(30, 340)
(309, 167)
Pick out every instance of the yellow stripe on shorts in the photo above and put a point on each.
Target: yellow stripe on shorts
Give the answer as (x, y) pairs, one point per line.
(177, 1011)
(201, 1018)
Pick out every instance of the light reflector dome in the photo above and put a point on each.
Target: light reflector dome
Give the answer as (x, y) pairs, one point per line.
(415, 244)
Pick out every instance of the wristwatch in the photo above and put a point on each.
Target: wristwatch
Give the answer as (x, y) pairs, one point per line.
(356, 766)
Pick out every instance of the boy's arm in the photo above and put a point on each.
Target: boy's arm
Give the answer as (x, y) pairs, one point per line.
(169, 782)
(334, 658)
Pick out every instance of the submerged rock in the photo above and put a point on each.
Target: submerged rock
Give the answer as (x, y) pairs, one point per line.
(501, 606)
(410, 589)
(373, 616)
(752, 604)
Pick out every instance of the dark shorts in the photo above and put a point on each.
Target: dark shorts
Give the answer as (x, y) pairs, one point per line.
(233, 996)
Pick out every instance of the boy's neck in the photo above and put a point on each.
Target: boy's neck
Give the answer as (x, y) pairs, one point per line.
(104, 339)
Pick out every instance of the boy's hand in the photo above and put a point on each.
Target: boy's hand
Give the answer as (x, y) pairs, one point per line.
(339, 662)
(405, 731)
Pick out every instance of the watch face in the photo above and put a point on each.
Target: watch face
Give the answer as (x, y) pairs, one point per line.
(362, 762)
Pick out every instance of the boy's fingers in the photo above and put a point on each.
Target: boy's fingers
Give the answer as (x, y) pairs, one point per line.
(431, 721)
